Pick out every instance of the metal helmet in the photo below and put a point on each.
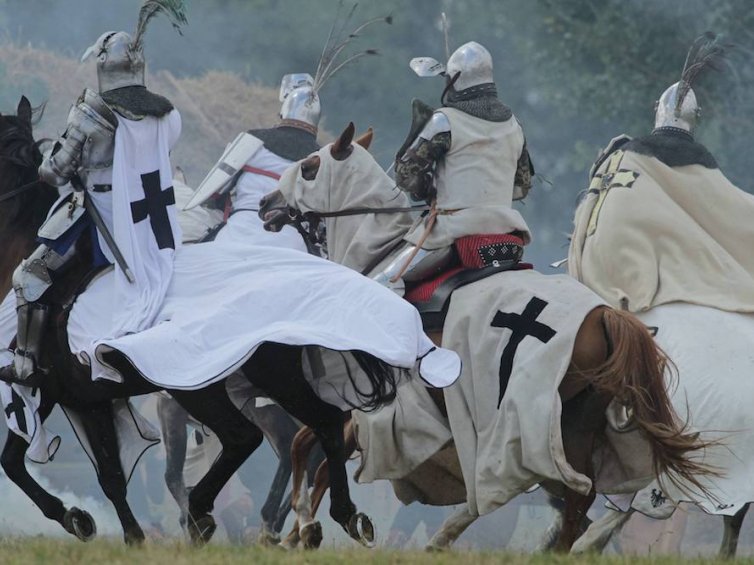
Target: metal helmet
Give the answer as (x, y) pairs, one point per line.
(300, 100)
(669, 114)
(474, 63)
(120, 63)
(120, 56)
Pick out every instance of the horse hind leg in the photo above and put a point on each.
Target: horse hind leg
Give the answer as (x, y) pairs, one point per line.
(239, 438)
(581, 419)
(451, 529)
(732, 525)
(599, 534)
(173, 421)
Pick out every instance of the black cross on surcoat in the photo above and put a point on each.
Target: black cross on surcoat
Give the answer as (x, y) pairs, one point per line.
(16, 407)
(155, 207)
(521, 326)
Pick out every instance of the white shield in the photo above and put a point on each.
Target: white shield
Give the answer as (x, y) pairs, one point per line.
(221, 177)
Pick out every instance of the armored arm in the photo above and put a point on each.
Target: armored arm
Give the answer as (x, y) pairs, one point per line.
(87, 143)
(414, 168)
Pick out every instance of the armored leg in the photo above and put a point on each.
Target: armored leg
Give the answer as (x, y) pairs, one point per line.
(31, 280)
(423, 265)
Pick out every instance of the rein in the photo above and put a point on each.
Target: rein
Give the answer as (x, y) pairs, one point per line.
(21, 189)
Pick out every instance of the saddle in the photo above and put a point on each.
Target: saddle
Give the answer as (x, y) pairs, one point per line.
(479, 257)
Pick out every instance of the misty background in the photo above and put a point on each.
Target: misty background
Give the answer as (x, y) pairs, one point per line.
(576, 73)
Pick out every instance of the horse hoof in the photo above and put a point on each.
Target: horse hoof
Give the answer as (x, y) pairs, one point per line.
(135, 539)
(80, 523)
(268, 539)
(311, 535)
(361, 528)
(201, 530)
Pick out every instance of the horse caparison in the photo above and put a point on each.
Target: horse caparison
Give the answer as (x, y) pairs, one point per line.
(614, 356)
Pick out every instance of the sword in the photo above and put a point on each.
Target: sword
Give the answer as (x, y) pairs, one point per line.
(102, 228)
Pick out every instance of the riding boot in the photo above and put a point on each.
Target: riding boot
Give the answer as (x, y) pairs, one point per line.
(25, 369)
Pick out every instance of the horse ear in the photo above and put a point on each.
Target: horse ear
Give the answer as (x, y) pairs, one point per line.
(24, 110)
(365, 139)
(342, 146)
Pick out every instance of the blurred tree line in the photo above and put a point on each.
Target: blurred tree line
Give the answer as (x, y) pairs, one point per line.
(576, 72)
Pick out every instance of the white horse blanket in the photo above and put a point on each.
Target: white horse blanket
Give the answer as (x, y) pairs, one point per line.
(521, 326)
(515, 333)
(714, 353)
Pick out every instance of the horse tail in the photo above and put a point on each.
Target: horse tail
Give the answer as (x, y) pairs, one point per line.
(634, 373)
(383, 382)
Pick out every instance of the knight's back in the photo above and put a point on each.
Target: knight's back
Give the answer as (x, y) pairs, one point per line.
(480, 166)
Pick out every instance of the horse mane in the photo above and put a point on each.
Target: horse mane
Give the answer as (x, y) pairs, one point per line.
(20, 157)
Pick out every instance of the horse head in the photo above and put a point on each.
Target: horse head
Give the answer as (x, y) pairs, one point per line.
(343, 185)
(281, 206)
(21, 213)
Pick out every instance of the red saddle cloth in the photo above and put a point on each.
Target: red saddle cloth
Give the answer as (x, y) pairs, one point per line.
(474, 252)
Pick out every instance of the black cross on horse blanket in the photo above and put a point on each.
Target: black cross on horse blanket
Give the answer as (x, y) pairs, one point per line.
(515, 334)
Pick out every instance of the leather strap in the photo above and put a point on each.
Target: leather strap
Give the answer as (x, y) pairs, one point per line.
(255, 171)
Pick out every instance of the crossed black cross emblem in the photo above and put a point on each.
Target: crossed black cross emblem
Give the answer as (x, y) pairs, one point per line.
(155, 207)
(521, 325)
(16, 407)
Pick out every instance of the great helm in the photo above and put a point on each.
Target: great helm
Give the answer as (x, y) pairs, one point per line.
(473, 62)
(299, 99)
(120, 63)
(669, 114)
(120, 56)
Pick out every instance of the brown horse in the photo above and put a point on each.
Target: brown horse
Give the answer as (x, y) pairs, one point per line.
(274, 368)
(614, 356)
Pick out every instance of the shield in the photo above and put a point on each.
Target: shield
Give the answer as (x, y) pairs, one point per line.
(223, 175)
(420, 115)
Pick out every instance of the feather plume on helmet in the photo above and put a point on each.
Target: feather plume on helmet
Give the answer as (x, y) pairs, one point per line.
(120, 57)
(678, 108)
(299, 93)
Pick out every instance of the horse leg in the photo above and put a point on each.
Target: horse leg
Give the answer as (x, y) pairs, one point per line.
(173, 422)
(451, 529)
(302, 444)
(280, 430)
(99, 426)
(599, 534)
(239, 437)
(732, 525)
(296, 396)
(583, 415)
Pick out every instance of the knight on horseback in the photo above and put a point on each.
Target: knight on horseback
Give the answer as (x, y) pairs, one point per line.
(469, 161)
(83, 157)
(251, 166)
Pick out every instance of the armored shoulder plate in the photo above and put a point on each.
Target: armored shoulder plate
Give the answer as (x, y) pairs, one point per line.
(437, 124)
(615, 144)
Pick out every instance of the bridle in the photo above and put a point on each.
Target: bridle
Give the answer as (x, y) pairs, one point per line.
(313, 234)
(21, 190)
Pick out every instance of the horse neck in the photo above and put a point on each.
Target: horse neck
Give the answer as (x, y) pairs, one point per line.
(16, 247)
(360, 241)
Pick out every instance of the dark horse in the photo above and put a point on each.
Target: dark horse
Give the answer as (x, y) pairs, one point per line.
(275, 369)
(278, 428)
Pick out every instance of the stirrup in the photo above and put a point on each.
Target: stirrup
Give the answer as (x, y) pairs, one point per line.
(34, 380)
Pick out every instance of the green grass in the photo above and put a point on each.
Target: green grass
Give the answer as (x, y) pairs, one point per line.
(28, 551)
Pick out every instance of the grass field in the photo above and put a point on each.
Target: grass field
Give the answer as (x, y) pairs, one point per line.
(27, 551)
